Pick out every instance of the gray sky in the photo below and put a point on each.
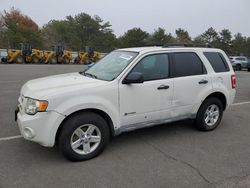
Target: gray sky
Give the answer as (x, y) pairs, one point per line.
(195, 16)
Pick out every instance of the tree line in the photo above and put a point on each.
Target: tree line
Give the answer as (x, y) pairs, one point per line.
(77, 32)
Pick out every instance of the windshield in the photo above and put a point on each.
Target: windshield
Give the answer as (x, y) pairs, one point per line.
(111, 65)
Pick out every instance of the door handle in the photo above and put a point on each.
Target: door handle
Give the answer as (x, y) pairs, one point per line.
(163, 87)
(203, 81)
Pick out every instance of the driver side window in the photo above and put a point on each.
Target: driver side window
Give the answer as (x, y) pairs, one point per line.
(153, 67)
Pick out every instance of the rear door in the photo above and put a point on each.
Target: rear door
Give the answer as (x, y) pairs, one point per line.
(221, 76)
(191, 83)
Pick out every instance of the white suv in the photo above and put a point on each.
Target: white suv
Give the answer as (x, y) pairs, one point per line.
(239, 62)
(128, 89)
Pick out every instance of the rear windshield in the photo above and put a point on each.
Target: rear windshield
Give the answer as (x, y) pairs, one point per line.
(217, 61)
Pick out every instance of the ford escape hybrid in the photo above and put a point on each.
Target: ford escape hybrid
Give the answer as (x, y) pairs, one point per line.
(128, 89)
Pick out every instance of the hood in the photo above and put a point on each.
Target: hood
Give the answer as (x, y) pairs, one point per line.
(45, 86)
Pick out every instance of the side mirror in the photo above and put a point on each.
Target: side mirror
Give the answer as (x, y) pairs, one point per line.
(134, 78)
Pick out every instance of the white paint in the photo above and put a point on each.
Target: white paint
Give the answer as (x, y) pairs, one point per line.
(20, 136)
(241, 103)
(10, 138)
(142, 103)
(7, 82)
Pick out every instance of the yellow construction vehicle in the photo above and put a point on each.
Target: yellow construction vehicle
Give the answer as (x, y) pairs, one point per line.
(57, 55)
(94, 56)
(14, 56)
(49, 57)
(81, 58)
(24, 55)
(87, 57)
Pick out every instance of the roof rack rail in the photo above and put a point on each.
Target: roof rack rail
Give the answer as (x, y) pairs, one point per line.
(187, 45)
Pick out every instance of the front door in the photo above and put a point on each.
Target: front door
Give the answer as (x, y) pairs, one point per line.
(143, 103)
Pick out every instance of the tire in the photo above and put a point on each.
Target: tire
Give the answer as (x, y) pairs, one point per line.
(248, 69)
(66, 60)
(35, 60)
(238, 67)
(77, 60)
(4, 60)
(53, 60)
(209, 104)
(19, 59)
(81, 129)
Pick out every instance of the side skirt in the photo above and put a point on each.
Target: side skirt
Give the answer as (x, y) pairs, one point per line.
(128, 128)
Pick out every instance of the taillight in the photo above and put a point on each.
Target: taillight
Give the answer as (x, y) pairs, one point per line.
(233, 81)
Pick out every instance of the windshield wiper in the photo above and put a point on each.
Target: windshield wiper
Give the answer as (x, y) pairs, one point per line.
(90, 75)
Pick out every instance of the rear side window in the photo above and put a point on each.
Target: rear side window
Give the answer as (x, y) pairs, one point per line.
(187, 64)
(217, 61)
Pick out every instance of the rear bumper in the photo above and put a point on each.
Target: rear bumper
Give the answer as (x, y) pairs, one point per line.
(40, 128)
(231, 98)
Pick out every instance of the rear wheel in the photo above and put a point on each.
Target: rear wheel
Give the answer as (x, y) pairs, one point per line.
(35, 60)
(83, 136)
(77, 60)
(66, 60)
(248, 69)
(53, 60)
(209, 115)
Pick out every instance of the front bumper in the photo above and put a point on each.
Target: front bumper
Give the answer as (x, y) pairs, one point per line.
(41, 127)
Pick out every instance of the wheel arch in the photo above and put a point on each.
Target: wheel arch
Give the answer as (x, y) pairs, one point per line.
(103, 114)
(220, 96)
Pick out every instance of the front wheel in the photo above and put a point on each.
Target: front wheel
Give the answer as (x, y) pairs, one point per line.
(209, 115)
(83, 136)
(248, 69)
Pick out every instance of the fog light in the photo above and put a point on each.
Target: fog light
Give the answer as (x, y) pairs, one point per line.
(28, 132)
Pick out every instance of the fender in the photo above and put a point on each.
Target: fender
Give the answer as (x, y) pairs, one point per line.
(87, 102)
(199, 103)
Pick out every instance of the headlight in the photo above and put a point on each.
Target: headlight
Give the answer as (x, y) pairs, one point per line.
(33, 106)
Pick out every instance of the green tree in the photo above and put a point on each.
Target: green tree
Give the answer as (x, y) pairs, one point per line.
(59, 33)
(248, 47)
(3, 39)
(182, 36)
(209, 36)
(239, 45)
(18, 28)
(134, 38)
(225, 41)
(75, 33)
(160, 37)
